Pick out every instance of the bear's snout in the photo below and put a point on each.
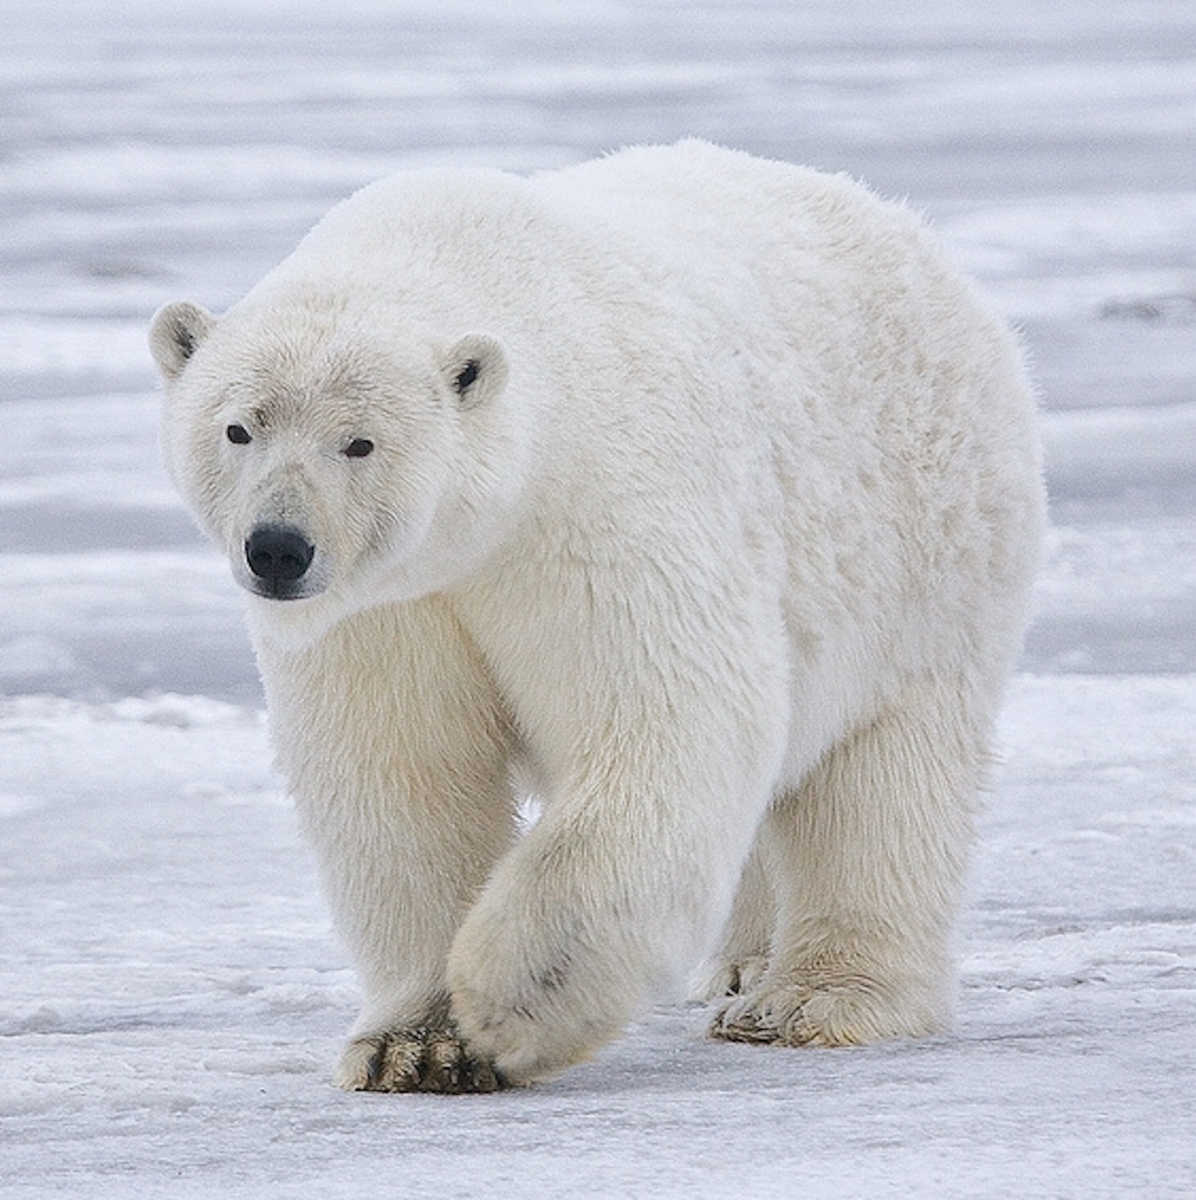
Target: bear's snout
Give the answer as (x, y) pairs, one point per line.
(278, 556)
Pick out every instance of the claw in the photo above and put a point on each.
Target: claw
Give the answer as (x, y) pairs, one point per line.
(416, 1060)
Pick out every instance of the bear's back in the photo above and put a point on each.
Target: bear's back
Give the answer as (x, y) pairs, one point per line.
(693, 218)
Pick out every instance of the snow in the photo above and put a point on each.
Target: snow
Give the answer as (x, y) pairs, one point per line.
(173, 996)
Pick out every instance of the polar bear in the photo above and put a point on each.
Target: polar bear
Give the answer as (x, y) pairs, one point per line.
(696, 493)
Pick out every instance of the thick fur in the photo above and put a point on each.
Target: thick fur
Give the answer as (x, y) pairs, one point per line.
(700, 487)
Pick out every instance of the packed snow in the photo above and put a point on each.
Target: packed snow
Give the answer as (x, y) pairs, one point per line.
(173, 997)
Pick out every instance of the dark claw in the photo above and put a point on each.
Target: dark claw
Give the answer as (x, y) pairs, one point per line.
(428, 1060)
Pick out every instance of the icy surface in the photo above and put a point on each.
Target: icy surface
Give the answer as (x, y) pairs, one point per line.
(172, 996)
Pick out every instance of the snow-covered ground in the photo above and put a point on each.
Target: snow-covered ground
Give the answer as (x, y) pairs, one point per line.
(172, 998)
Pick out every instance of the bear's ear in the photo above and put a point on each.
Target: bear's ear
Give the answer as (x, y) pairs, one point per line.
(475, 367)
(175, 335)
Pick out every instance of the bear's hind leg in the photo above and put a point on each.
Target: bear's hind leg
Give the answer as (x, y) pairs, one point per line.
(868, 859)
(741, 959)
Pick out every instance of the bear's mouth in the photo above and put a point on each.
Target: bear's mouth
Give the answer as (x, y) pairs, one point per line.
(278, 557)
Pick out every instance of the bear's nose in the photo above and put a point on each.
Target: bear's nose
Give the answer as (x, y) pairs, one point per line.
(278, 554)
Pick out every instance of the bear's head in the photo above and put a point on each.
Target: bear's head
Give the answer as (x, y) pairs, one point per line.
(336, 470)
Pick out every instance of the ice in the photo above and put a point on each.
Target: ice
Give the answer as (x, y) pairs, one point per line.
(173, 994)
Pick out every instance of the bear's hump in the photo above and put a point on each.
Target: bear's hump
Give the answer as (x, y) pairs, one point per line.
(427, 211)
(435, 241)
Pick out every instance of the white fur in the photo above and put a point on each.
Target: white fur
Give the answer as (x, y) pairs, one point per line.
(727, 536)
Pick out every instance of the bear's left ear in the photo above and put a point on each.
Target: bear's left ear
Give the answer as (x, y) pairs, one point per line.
(175, 334)
(475, 367)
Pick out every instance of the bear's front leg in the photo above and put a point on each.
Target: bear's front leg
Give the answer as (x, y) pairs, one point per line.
(611, 898)
(397, 752)
(656, 718)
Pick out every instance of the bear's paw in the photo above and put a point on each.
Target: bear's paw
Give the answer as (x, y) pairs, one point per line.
(822, 1009)
(722, 977)
(416, 1059)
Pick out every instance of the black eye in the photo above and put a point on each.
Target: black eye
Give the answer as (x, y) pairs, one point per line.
(359, 448)
(238, 435)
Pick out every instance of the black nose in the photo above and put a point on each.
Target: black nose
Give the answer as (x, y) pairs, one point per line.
(278, 555)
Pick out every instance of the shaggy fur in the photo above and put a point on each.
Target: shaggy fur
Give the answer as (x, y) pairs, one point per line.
(698, 487)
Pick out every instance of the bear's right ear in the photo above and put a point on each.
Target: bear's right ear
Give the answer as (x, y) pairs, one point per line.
(175, 334)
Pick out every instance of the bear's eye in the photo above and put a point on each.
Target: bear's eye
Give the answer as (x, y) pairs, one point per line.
(359, 448)
(238, 435)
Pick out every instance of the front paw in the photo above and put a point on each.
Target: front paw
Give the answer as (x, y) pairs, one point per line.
(416, 1059)
(531, 998)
